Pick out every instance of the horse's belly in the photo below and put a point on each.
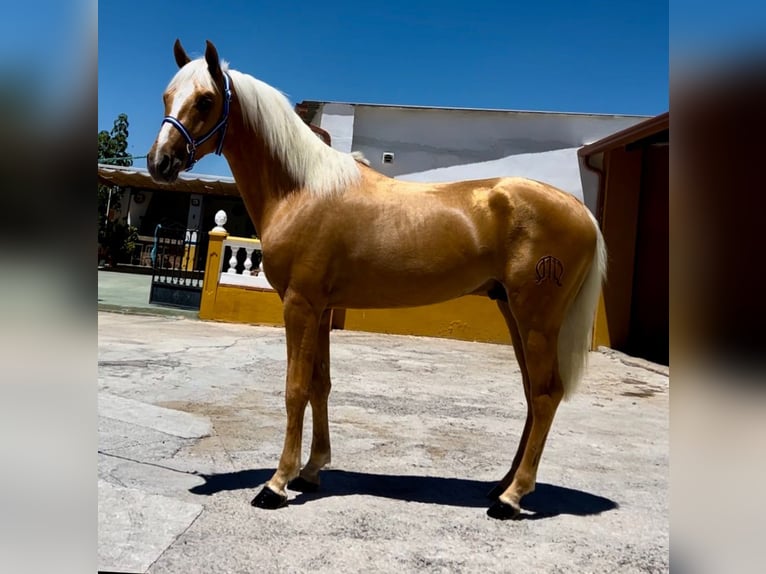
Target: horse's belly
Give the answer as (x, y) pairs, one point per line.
(390, 290)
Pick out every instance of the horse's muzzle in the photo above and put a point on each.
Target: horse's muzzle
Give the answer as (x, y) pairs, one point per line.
(163, 167)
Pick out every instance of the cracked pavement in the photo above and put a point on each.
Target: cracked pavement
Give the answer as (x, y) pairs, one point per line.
(191, 422)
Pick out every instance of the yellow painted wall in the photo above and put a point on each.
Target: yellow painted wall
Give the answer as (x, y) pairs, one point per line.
(469, 318)
(231, 303)
(240, 305)
(601, 327)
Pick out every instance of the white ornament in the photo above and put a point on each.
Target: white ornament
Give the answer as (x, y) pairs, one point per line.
(220, 220)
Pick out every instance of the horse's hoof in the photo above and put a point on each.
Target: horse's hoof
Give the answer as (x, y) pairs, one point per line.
(503, 511)
(269, 499)
(302, 485)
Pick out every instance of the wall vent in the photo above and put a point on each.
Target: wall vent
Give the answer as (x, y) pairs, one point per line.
(388, 157)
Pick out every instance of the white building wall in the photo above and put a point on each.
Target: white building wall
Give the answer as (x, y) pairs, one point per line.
(558, 167)
(338, 121)
(433, 144)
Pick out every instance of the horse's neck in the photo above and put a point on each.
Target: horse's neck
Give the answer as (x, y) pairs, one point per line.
(261, 178)
(300, 162)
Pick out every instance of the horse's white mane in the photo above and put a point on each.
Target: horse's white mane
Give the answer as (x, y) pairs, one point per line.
(359, 156)
(313, 165)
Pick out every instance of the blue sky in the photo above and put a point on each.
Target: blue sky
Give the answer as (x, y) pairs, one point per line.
(573, 56)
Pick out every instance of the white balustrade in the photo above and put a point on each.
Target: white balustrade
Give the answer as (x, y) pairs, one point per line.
(228, 274)
(250, 276)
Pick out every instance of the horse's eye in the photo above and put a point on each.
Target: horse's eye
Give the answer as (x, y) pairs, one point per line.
(204, 103)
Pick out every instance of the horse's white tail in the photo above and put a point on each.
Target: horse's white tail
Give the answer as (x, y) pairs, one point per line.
(576, 332)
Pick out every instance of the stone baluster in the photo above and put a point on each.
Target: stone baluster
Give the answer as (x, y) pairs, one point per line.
(248, 261)
(233, 260)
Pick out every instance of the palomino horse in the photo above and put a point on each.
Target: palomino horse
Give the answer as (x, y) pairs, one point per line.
(337, 234)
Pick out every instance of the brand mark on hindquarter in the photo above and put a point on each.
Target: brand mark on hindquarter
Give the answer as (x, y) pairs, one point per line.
(549, 267)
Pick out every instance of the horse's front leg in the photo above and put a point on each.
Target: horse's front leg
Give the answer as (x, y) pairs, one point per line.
(308, 481)
(301, 329)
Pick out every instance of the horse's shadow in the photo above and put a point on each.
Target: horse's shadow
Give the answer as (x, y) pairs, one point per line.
(547, 500)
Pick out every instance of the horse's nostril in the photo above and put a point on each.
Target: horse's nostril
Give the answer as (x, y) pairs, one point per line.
(164, 164)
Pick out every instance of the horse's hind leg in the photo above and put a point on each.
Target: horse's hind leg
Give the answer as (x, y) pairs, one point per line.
(518, 349)
(308, 480)
(544, 395)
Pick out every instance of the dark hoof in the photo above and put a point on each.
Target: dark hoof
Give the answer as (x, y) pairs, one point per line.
(503, 511)
(269, 499)
(302, 485)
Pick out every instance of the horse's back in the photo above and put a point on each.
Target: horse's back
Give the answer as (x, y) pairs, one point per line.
(497, 194)
(494, 218)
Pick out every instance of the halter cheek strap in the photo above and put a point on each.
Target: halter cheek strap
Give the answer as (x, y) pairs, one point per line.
(191, 143)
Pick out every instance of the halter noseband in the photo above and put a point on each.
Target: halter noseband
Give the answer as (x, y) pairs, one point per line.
(191, 143)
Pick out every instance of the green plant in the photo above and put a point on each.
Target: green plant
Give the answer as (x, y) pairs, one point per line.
(116, 239)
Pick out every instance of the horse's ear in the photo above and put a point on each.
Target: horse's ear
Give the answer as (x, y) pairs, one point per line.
(213, 62)
(181, 57)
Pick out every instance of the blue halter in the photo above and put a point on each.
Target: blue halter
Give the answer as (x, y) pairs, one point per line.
(191, 143)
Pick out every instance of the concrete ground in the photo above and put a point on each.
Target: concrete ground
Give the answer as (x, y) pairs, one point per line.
(191, 421)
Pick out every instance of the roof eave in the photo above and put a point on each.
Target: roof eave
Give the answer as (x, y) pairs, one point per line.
(627, 136)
